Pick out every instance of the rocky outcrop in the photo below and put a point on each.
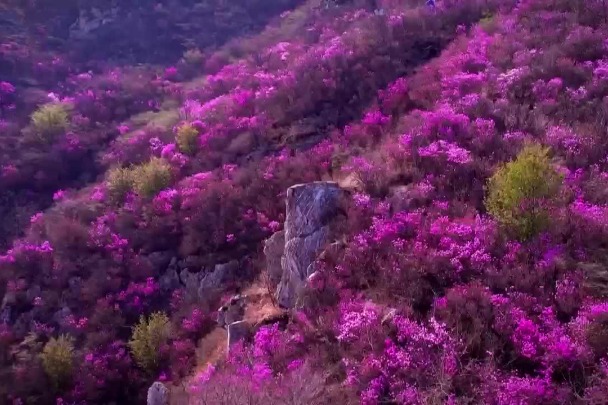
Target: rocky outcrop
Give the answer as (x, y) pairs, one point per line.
(200, 283)
(312, 211)
(89, 21)
(222, 273)
(158, 394)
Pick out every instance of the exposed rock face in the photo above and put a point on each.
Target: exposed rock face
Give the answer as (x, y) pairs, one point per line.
(273, 250)
(202, 282)
(169, 281)
(90, 20)
(221, 274)
(312, 209)
(158, 394)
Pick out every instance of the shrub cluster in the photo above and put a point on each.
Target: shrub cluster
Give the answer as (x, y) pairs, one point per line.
(50, 120)
(145, 179)
(149, 337)
(521, 193)
(187, 138)
(58, 359)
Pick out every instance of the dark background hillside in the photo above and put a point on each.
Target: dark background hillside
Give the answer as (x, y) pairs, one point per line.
(136, 31)
(43, 42)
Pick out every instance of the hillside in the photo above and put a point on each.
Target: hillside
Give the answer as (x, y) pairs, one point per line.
(389, 203)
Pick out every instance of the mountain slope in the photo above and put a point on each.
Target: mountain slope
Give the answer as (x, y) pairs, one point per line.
(444, 287)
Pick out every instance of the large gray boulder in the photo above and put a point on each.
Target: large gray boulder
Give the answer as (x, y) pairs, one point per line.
(158, 394)
(312, 210)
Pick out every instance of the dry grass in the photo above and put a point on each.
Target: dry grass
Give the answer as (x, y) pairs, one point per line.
(212, 348)
(260, 304)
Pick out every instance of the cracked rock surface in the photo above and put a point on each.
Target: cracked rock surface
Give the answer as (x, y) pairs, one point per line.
(311, 210)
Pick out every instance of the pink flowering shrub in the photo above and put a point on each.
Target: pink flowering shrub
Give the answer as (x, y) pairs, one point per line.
(418, 251)
(404, 369)
(102, 374)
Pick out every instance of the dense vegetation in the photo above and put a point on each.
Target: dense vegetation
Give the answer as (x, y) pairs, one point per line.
(472, 269)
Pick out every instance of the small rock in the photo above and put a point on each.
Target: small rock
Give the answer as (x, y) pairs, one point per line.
(231, 312)
(389, 315)
(61, 315)
(190, 281)
(273, 250)
(236, 332)
(6, 315)
(158, 394)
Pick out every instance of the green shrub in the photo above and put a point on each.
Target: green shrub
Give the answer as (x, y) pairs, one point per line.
(187, 139)
(50, 119)
(522, 191)
(148, 338)
(119, 182)
(57, 359)
(151, 177)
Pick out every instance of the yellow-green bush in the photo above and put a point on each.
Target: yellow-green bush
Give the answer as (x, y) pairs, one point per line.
(58, 359)
(149, 335)
(50, 119)
(151, 177)
(119, 182)
(522, 191)
(187, 139)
